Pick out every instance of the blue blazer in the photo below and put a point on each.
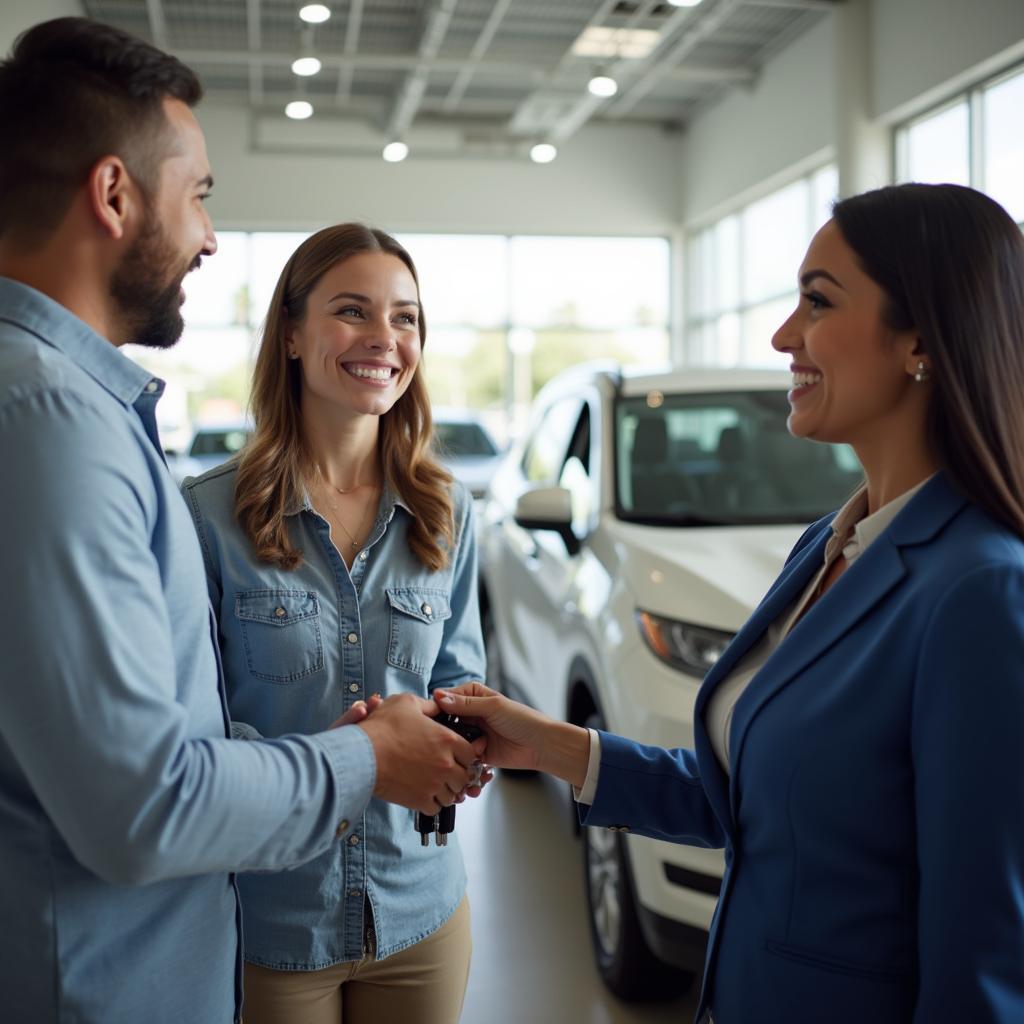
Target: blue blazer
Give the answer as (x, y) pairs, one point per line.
(873, 817)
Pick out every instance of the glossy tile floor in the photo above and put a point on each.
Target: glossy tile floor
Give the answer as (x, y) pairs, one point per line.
(531, 947)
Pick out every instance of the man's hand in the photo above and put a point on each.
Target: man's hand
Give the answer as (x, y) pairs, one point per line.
(518, 736)
(420, 764)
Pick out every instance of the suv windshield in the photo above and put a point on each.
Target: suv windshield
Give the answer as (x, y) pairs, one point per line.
(709, 459)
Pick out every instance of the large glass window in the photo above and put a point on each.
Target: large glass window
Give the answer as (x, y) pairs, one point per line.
(504, 314)
(977, 140)
(742, 272)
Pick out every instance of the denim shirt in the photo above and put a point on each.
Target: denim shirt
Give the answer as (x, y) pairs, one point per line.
(300, 647)
(123, 803)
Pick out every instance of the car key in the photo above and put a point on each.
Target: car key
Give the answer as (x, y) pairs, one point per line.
(443, 823)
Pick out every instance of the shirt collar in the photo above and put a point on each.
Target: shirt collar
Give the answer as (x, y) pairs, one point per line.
(56, 326)
(392, 500)
(853, 530)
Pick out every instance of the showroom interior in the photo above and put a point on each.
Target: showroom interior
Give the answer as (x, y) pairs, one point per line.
(633, 182)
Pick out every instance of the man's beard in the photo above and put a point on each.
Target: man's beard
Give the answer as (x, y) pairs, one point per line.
(146, 288)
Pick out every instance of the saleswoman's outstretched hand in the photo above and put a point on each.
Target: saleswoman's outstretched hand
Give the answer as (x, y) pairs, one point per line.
(518, 736)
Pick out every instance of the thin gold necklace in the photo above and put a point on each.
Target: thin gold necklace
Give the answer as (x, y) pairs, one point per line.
(337, 515)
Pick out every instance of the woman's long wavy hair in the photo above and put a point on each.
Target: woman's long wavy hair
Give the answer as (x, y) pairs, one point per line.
(951, 263)
(277, 461)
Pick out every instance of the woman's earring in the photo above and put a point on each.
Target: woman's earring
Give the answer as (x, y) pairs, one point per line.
(922, 373)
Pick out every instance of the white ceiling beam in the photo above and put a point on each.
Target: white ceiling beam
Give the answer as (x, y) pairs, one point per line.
(254, 36)
(157, 23)
(701, 28)
(352, 29)
(800, 5)
(480, 47)
(410, 92)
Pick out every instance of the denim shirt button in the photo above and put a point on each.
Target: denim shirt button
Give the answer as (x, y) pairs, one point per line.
(426, 609)
(353, 840)
(280, 613)
(353, 687)
(362, 556)
(353, 893)
(352, 638)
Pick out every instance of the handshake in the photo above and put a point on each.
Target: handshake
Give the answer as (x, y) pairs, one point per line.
(423, 765)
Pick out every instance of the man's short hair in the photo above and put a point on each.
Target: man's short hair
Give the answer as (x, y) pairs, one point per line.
(71, 92)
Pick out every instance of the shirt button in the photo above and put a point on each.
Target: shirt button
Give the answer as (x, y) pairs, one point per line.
(353, 893)
(426, 609)
(152, 386)
(353, 687)
(362, 556)
(353, 840)
(352, 638)
(280, 613)
(342, 828)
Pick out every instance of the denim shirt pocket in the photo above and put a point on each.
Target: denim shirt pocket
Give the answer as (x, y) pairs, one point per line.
(280, 633)
(418, 615)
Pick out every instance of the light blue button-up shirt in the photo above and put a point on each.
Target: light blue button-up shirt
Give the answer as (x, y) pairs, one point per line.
(123, 806)
(300, 647)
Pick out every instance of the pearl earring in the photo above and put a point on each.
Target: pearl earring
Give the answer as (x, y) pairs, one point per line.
(922, 373)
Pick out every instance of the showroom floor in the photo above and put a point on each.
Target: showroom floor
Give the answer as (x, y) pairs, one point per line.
(531, 948)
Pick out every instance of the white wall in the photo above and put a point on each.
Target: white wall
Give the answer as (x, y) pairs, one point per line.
(922, 50)
(756, 133)
(918, 52)
(18, 15)
(615, 179)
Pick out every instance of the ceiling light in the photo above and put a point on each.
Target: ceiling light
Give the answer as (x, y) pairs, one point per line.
(602, 85)
(543, 153)
(395, 152)
(306, 66)
(314, 13)
(602, 41)
(684, 3)
(299, 110)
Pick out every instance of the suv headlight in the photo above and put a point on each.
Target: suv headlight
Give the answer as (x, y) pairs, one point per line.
(688, 648)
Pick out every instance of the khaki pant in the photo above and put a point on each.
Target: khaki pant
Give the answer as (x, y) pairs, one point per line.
(424, 984)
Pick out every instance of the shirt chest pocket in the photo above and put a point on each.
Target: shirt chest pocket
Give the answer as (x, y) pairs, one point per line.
(280, 632)
(417, 627)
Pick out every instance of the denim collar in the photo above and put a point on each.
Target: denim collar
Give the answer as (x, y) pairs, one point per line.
(56, 326)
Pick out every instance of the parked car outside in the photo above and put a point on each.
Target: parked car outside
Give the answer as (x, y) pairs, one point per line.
(623, 542)
(210, 446)
(466, 447)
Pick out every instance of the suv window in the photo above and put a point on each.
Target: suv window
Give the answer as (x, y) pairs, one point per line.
(218, 442)
(463, 439)
(706, 459)
(546, 450)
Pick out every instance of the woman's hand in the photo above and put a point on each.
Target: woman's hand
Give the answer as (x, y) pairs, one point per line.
(359, 712)
(518, 736)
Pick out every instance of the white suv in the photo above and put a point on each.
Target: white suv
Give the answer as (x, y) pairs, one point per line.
(622, 544)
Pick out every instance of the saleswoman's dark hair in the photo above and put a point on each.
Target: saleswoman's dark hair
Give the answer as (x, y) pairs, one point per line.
(951, 262)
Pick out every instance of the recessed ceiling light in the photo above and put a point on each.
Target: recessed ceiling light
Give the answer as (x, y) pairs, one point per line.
(684, 3)
(602, 85)
(543, 153)
(314, 13)
(299, 110)
(306, 66)
(395, 152)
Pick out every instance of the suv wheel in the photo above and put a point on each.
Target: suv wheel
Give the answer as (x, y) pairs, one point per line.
(626, 964)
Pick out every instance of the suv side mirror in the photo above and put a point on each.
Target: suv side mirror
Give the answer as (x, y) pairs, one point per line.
(548, 508)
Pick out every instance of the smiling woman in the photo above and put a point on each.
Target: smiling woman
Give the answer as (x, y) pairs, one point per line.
(341, 563)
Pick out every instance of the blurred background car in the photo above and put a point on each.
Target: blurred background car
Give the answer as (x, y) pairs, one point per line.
(623, 542)
(466, 447)
(210, 446)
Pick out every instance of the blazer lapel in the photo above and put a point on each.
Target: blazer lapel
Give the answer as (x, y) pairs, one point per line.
(874, 574)
(783, 593)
